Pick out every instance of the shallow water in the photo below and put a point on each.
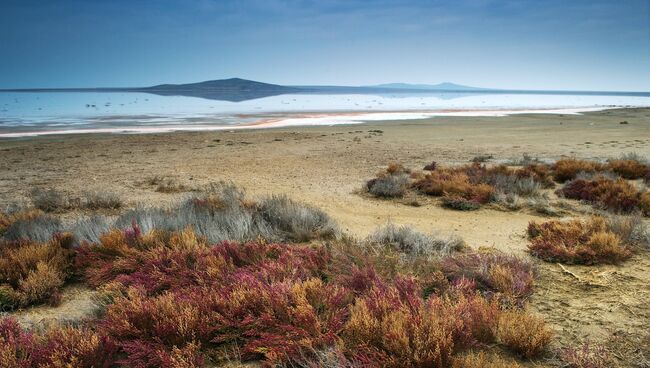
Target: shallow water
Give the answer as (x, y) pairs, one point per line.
(48, 112)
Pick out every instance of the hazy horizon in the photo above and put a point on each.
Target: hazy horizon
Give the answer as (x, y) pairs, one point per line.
(583, 45)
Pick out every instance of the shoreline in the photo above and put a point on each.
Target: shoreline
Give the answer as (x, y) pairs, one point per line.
(316, 119)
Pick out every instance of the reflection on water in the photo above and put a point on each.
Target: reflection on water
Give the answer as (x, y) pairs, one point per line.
(35, 111)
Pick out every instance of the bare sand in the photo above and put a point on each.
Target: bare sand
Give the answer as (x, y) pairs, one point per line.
(326, 167)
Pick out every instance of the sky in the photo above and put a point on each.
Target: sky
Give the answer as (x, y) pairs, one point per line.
(538, 44)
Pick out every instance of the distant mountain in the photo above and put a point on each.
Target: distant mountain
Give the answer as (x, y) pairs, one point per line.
(233, 89)
(237, 90)
(446, 86)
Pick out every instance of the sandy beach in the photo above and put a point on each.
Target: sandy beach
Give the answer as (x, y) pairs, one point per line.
(326, 166)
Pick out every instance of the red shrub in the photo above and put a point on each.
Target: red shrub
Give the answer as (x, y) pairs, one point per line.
(506, 276)
(585, 356)
(59, 347)
(610, 194)
(175, 302)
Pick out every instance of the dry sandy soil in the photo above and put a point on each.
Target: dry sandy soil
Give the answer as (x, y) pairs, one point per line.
(326, 167)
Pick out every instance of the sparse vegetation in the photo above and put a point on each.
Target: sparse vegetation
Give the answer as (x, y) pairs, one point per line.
(172, 296)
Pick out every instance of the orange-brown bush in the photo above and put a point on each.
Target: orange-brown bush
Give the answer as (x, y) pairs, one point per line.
(538, 172)
(568, 168)
(628, 168)
(615, 195)
(454, 183)
(577, 241)
(523, 333)
(483, 360)
(33, 272)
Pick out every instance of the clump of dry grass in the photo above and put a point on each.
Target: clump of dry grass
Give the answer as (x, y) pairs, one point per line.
(454, 183)
(615, 195)
(95, 200)
(412, 243)
(523, 333)
(585, 356)
(482, 359)
(590, 241)
(628, 168)
(391, 183)
(51, 200)
(166, 184)
(569, 168)
(33, 272)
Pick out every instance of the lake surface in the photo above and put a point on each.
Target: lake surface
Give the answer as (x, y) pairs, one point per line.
(33, 113)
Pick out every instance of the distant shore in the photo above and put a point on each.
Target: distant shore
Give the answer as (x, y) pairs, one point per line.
(306, 119)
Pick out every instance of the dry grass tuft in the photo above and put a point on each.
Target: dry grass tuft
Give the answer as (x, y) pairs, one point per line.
(585, 356)
(523, 333)
(580, 242)
(483, 360)
(616, 195)
(31, 272)
(101, 200)
(569, 168)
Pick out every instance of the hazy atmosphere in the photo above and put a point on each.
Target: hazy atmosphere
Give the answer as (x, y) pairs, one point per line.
(547, 44)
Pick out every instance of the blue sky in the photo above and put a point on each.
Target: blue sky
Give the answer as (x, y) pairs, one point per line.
(543, 44)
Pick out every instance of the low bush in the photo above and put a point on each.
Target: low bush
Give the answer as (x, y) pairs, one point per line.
(166, 184)
(10, 217)
(569, 168)
(59, 347)
(508, 278)
(585, 356)
(628, 168)
(454, 183)
(51, 200)
(460, 204)
(33, 226)
(174, 297)
(523, 333)
(412, 243)
(615, 195)
(483, 360)
(469, 186)
(540, 173)
(391, 183)
(223, 212)
(101, 200)
(32, 273)
(581, 242)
